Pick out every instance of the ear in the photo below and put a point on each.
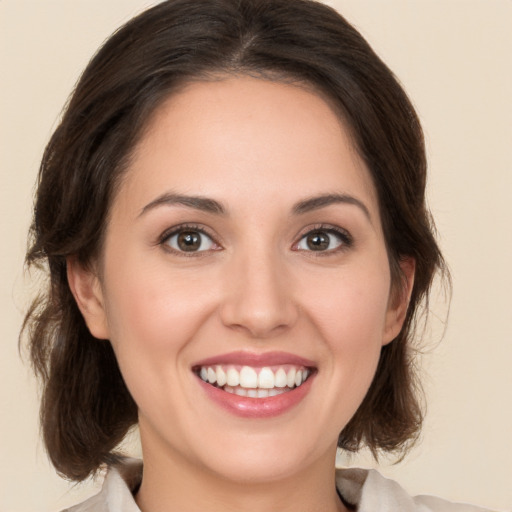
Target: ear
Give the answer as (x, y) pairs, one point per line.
(399, 300)
(86, 288)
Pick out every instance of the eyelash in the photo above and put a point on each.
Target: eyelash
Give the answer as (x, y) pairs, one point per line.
(346, 240)
(176, 230)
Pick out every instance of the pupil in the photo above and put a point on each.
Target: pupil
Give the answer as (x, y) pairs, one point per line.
(318, 241)
(189, 241)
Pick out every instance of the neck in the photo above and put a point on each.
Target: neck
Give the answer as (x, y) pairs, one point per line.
(171, 483)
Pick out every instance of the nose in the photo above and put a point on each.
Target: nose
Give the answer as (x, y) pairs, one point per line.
(258, 296)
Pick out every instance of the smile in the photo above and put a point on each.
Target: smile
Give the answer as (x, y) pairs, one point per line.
(254, 382)
(252, 385)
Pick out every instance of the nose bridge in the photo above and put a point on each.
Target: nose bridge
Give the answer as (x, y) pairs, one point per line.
(258, 294)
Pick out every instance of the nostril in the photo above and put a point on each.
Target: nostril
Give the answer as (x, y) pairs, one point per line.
(258, 322)
(257, 298)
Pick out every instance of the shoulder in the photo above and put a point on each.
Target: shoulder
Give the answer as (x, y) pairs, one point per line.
(371, 492)
(116, 495)
(368, 490)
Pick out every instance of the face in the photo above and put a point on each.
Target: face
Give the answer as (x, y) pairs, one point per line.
(245, 284)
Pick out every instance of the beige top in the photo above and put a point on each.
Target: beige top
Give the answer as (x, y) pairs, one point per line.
(367, 490)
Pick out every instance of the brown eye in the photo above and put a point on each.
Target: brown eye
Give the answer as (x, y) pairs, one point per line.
(318, 241)
(322, 240)
(190, 241)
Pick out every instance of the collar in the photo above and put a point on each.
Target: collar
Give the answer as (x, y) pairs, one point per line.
(366, 490)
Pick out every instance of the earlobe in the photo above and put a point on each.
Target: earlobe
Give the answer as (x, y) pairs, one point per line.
(86, 289)
(399, 300)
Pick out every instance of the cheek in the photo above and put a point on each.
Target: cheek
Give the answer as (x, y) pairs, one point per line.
(152, 316)
(350, 310)
(150, 304)
(350, 314)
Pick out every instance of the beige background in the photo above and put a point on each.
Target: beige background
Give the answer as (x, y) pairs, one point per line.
(454, 58)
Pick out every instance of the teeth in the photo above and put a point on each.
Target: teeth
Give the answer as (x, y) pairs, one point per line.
(221, 376)
(233, 377)
(212, 375)
(254, 382)
(248, 377)
(281, 379)
(290, 379)
(266, 378)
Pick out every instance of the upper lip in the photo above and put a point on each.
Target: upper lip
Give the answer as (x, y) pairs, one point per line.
(245, 358)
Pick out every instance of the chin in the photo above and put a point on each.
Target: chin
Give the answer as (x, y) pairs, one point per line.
(265, 459)
(258, 468)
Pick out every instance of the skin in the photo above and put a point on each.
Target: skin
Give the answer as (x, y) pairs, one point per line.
(258, 148)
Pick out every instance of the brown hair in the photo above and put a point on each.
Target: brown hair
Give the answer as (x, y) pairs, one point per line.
(86, 409)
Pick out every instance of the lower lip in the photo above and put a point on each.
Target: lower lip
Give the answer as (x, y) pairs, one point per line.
(257, 407)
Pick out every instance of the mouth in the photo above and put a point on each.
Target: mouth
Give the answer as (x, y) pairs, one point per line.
(254, 381)
(256, 385)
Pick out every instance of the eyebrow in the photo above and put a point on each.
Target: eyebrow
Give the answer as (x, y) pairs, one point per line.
(197, 202)
(208, 205)
(321, 201)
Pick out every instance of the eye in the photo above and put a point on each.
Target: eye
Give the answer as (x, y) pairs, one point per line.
(189, 240)
(323, 240)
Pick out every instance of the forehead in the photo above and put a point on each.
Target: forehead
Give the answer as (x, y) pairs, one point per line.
(247, 138)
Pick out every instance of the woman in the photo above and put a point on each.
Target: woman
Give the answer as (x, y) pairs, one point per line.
(236, 263)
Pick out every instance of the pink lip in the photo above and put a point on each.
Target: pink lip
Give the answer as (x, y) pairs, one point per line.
(256, 360)
(257, 407)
